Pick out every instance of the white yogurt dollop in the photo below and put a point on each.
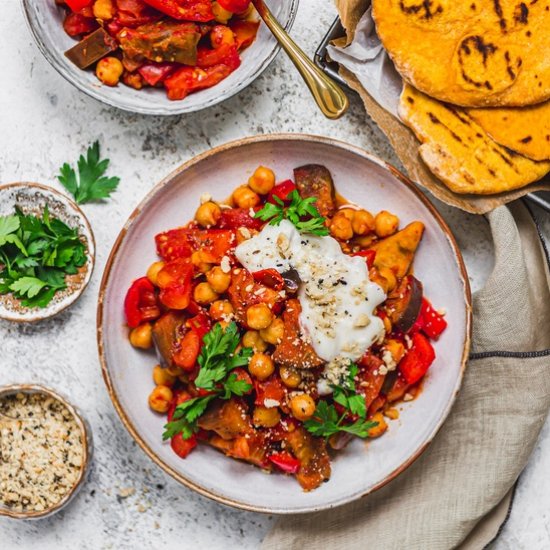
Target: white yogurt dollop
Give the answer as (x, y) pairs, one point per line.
(337, 296)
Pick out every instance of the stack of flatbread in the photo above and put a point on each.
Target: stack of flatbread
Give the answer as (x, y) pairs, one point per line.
(477, 87)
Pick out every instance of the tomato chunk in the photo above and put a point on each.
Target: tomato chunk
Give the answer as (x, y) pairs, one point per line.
(429, 321)
(269, 277)
(285, 462)
(233, 218)
(140, 304)
(182, 447)
(76, 24)
(271, 390)
(77, 5)
(244, 31)
(418, 359)
(185, 10)
(174, 280)
(281, 191)
(235, 6)
(156, 73)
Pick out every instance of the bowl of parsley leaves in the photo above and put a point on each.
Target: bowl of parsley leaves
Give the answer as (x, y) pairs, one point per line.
(47, 252)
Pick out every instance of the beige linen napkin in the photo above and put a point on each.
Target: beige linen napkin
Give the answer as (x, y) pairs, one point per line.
(458, 493)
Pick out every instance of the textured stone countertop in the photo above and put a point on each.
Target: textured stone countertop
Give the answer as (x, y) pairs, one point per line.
(128, 502)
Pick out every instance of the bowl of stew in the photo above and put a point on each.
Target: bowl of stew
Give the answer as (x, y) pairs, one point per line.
(158, 57)
(295, 324)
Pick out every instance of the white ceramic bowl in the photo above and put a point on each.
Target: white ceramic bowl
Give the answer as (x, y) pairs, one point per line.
(45, 20)
(360, 468)
(32, 198)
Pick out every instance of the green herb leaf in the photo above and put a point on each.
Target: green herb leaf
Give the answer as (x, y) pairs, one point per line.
(90, 184)
(301, 212)
(235, 386)
(27, 286)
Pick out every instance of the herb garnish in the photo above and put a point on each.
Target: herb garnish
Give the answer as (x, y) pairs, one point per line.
(301, 212)
(326, 421)
(217, 359)
(91, 184)
(35, 255)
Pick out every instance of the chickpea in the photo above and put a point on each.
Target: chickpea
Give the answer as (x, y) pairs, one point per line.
(274, 333)
(258, 316)
(142, 336)
(347, 213)
(385, 224)
(153, 271)
(261, 366)
(162, 377)
(382, 426)
(204, 294)
(291, 377)
(244, 197)
(252, 339)
(109, 70)
(302, 406)
(220, 309)
(363, 222)
(218, 280)
(262, 180)
(396, 348)
(104, 9)
(266, 418)
(160, 399)
(392, 414)
(198, 259)
(208, 214)
(221, 15)
(340, 228)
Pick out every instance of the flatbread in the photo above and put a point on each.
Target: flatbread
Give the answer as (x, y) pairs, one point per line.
(525, 130)
(460, 153)
(475, 53)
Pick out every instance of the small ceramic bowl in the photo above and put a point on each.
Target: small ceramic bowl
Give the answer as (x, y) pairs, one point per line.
(45, 20)
(31, 198)
(87, 445)
(361, 178)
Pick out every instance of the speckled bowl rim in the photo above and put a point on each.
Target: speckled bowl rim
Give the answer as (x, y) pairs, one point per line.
(40, 314)
(168, 181)
(87, 447)
(96, 94)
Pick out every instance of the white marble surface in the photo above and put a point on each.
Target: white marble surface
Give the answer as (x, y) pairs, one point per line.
(44, 122)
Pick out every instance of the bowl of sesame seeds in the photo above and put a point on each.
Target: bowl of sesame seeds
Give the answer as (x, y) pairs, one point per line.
(45, 451)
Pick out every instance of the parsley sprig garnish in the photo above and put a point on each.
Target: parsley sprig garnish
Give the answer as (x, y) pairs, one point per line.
(216, 360)
(301, 212)
(36, 253)
(90, 184)
(326, 421)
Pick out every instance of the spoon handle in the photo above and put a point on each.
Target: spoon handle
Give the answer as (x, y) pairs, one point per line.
(328, 95)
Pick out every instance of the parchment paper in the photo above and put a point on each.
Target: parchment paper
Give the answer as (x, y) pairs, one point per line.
(368, 70)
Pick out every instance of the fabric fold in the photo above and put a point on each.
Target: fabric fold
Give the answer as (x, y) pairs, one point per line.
(457, 493)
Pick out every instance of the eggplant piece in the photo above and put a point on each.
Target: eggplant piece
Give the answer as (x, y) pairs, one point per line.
(229, 419)
(292, 281)
(314, 180)
(293, 352)
(404, 303)
(94, 47)
(167, 330)
(161, 41)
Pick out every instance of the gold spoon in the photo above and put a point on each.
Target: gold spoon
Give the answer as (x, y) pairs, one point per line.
(329, 96)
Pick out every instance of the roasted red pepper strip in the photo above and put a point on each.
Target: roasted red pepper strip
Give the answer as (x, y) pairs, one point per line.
(271, 389)
(281, 191)
(174, 280)
(182, 447)
(369, 256)
(190, 346)
(285, 462)
(185, 10)
(233, 218)
(269, 277)
(140, 304)
(77, 5)
(76, 24)
(431, 323)
(234, 6)
(156, 73)
(181, 243)
(418, 359)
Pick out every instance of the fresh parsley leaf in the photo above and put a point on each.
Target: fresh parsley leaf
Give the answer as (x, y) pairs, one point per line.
(8, 225)
(216, 360)
(324, 421)
(27, 286)
(360, 428)
(235, 386)
(91, 184)
(301, 212)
